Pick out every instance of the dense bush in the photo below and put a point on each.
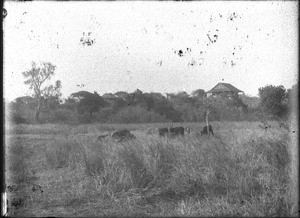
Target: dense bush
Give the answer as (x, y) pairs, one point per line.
(136, 114)
(140, 107)
(193, 114)
(64, 116)
(18, 119)
(89, 103)
(272, 100)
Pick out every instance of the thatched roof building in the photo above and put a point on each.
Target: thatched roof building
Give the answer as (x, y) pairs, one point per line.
(223, 88)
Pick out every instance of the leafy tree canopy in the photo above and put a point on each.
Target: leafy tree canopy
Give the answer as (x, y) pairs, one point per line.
(199, 93)
(121, 94)
(88, 102)
(272, 100)
(35, 78)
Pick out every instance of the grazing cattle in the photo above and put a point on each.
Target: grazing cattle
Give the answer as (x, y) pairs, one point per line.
(172, 131)
(163, 131)
(123, 135)
(204, 131)
(176, 131)
(103, 136)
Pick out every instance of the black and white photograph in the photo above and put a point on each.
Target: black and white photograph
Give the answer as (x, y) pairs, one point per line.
(150, 108)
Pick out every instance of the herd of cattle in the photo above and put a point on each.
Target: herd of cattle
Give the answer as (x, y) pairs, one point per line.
(126, 135)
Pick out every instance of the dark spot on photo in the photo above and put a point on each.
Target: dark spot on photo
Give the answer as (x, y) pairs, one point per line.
(4, 12)
(180, 53)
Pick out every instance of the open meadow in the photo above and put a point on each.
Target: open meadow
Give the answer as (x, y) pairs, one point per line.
(64, 170)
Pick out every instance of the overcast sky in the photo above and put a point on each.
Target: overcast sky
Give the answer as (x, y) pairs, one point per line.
(153, 46)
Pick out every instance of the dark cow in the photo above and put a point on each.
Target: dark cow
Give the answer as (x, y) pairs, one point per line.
(172, 131)
(204, 131)
(163, 131)
(176, 131)
(103, 136)
(123, 135)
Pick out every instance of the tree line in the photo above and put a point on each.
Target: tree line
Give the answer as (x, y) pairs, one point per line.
(46, 105)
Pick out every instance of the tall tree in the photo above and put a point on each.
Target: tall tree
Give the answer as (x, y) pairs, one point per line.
(36, 78)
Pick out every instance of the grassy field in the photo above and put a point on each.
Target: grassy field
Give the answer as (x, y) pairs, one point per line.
(63, 170)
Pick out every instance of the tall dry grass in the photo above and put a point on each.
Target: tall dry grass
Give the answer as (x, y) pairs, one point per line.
(196, 176)
(242, 171)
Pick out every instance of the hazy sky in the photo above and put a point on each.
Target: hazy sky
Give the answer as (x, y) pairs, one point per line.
(137, 45)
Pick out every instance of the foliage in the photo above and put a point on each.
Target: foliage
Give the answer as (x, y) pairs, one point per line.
(21, 110)
(18, 119)
(143, 100)
(149, 101)
(121, 94)
(37, 75)
(52, 95)
(136, 114)
(200, 93)
(182, 95)
(36, 78)
(89, 103)
(165, 108)
(22, 103)
(178, 107)
(62, 115)
(272, 100)
(118, 104)
(25, 101)
(237, 102)
(69, 104)
(251, 101)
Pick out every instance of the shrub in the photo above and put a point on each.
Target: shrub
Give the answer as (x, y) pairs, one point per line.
(272, 100)
(64, 116)
(136, 114)
(18, 119)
